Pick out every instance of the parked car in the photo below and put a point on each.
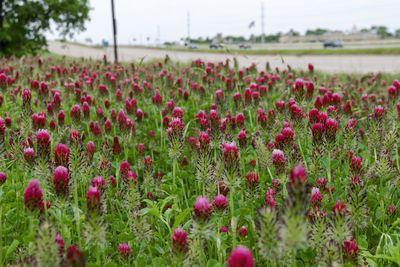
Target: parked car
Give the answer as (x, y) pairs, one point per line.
(216, 45)
(332, 43)
(191, 46)
(245, 45)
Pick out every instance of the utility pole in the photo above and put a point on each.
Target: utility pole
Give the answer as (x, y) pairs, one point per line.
(158, 35)
(114, 31)
(188, 27)
(262, 23)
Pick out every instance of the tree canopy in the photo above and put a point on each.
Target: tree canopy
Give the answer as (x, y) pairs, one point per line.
(23, 23)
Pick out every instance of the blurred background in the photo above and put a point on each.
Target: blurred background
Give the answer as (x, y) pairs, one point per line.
(286, 24)
(367, 32)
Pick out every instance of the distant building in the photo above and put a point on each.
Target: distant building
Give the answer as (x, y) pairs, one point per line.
(333, 35)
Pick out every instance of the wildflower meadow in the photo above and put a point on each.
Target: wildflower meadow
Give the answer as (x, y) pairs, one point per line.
(198, 164)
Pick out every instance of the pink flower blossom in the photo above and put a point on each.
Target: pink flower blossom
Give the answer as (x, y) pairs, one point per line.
(202, 208)
(241, 257)
(220, 202)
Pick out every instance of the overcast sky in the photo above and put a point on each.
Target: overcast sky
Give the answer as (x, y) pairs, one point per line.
(141, 19)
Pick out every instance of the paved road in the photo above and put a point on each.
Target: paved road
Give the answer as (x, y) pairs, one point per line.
(327, 63)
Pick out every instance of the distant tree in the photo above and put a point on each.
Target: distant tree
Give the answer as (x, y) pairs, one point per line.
(365, 30)
(397, 33)
(317, 31)
(24, 22)
(383, 32)
(218, 37)
(292, 32)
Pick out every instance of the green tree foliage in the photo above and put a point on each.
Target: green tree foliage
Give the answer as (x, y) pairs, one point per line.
(292, 32)
(317, 31)
(397, 33)
(24, 22)
(382, 31)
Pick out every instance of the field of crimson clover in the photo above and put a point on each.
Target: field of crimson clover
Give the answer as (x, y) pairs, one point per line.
(201, 164)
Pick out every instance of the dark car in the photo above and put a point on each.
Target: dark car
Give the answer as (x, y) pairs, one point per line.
(216, 45)
(332, 43)
(191, 46)
(244, 45)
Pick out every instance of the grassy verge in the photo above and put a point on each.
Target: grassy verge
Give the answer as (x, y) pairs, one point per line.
(342, 51)
(331, 51)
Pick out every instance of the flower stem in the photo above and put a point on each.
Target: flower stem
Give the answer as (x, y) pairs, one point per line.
(98, 257)
(251, 119)
(218, 241)
(329, 174)
(76, 211)
(1, 237)
(174, 171)
(233, 220)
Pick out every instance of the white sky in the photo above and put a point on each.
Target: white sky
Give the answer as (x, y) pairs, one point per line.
(140, 19)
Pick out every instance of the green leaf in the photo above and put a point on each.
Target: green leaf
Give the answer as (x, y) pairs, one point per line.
(181, 216)
(110, 264)
(362, 241)
(148, 211)
(212, 263)
(12, 247)
(371, 262)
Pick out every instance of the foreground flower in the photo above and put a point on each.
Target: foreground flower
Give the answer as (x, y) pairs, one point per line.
(242, 232)
(75, 114)
(43, 143)
(317, 130)
(202, 208)
(223, 229)
(350, 248)
(179, 241)
(241, 257)
(60, 244)
(61, 155)
(230, 152)
(298, 176)
(93, 198)
(340, 208)
(75, 257)
(270, 198)
(33, 195)
(61, 180)
(316, 197)
(219, 202)
(392, 210)
(3, 178)
(320, 183)
(252, 180)
(279, 161)
(124, 250)
(124, 168)
(242, 138)
(29, 155)
(90, 150)
(331, 126)
(175, 134)
(204, 141)
(116, 146)
(99, 182)
(222, 188)
(231, 163)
